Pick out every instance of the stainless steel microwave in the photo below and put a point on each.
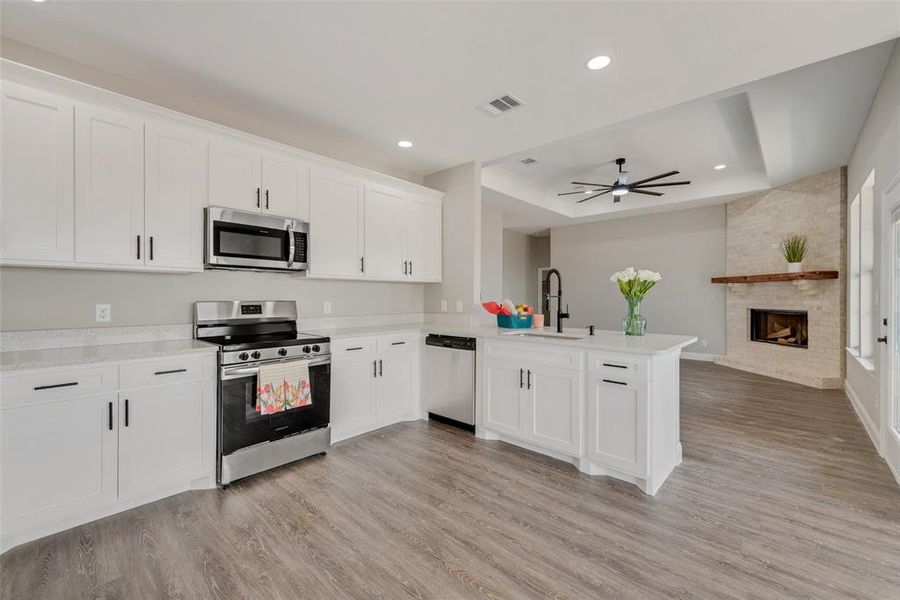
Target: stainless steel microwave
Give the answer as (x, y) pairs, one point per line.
(237, 239)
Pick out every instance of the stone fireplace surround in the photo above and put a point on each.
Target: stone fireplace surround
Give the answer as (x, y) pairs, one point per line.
(814, 206)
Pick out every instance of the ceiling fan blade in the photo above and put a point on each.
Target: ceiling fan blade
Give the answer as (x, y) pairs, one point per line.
(577, 192)
(648, 192)
(594, 196)
(654, 178)
(590, 184)
(661, 184)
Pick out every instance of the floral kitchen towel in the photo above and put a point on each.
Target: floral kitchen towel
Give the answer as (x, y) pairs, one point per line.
(283, 386)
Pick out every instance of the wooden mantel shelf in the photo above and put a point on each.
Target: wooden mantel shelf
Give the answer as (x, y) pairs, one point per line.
(805, 275)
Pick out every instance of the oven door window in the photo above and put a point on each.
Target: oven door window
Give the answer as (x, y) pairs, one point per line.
(247, 241)
(243, 425)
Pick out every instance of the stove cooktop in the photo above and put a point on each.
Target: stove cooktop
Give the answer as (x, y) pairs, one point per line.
(250, 342)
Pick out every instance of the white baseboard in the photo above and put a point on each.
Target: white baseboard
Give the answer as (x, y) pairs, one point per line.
(699, 356)
(863, 416)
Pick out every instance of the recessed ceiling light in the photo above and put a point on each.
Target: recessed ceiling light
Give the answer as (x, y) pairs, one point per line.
(37, 0)
(719, 167)
(598, 62)
(404, 144)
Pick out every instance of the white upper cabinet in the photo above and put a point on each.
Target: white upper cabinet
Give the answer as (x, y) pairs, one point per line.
(37, 196)
(234, 175)
(285, 187)
(384, 233)
(336, 219)
(109, 187)
(423, 240)
(175, 164)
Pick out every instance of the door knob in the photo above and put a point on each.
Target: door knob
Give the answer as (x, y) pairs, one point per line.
(882, 340)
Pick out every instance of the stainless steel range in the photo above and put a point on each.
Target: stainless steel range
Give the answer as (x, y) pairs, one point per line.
(251, 335)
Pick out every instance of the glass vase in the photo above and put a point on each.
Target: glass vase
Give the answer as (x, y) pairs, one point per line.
(634, 323)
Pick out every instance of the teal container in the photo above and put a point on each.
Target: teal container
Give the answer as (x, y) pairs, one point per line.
(514, 321)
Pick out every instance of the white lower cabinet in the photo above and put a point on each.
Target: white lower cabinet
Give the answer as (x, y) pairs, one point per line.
(68, 458)
(375, 382)
(503, 383)
(617, 418)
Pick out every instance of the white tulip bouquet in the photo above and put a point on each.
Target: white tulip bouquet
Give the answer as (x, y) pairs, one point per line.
(634, 285)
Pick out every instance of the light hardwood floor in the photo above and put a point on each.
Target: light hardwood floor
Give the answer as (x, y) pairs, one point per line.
(780, 495)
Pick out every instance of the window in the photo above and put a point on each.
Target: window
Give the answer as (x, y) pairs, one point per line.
(861, 295)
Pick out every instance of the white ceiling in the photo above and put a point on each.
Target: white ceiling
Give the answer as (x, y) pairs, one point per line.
(390, 71)
(767, 133)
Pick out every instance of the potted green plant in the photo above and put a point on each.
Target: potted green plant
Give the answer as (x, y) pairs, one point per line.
(794, 248)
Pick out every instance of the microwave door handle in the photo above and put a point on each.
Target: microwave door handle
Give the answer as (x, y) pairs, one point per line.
(290, 233)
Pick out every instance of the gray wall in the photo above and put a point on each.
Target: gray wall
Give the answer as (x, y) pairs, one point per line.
(59, 298)
(687, 247)
(522, 256)
(491, 253)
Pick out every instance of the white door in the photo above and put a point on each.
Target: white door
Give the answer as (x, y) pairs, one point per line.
(352, 395)
(336, 225)
(234, 176)
(37, 197)
(109, 187)
(423, 240)
(554, 409)
(617, 423)
(504, 384)
(161, 436)
(394, 393)
(173, 196)
(384, 232)
(58, 459)
(892, 417)
(285, 183)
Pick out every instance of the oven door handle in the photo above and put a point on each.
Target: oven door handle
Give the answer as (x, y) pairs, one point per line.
(238, 373)
(290, 234)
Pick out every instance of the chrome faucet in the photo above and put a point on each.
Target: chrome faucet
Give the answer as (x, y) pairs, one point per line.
(560, 314)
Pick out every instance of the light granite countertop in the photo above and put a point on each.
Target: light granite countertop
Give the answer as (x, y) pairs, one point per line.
(601, 341)
(79, 355)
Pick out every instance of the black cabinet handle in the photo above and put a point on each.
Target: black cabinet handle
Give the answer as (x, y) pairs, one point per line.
(362, 264)
(615, 366)
(267, 199)
(110, 417)
(257, 197)
(397, 343)
(126, 412)
(410, 267)
(139, 247)
(55, 385)
(380, 368)
(614, 381)
(356, 348)
(151, 247)
(170, 372)
(521, 375)
(406, 267)
(529, 379)
(374, 368)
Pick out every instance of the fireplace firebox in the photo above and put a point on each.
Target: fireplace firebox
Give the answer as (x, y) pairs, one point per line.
(780, 327)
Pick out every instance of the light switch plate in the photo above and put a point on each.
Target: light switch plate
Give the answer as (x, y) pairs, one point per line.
(459, 306)
(103, 313)
(326, 308)
(443, 306)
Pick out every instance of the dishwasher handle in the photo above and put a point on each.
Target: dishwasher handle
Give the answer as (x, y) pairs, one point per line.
(451, 342)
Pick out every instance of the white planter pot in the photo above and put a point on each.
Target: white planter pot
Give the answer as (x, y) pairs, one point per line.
(795, 267)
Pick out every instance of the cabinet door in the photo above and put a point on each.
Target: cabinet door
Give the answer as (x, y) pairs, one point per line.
(384, 232)
(617, 423)
(234, 176)
(336, 225)
(423, 240)
(503, 394)
(37, 201)
(164, 436)
(173, 196)
(394, 395)
(58, 460)
(109, 187)
(352, 396)
(554, 408)
(285, 183)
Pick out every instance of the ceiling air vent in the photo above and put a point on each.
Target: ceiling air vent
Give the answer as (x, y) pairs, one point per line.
(503, 104)
(528, 161)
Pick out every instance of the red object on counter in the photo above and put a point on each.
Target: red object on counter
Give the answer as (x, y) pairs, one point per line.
(492, 307)
(505, 311)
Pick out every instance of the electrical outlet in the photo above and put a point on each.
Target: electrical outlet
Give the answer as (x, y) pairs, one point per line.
(459, 306)
(103, 313)
(443, 306)
(326, 308)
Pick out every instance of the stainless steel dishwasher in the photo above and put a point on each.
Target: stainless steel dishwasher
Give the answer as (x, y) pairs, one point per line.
(450, 380)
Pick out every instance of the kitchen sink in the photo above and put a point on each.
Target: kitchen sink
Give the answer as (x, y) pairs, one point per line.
(552, 336)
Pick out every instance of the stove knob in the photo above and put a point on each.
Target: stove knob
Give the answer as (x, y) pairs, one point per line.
(282, 352)
(306, 349)
(255, 355)
(316, 348)
(243, 356)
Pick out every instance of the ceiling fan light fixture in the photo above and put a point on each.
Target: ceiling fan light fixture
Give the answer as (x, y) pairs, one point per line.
(598, 62)
(619, 191)
(719, 167)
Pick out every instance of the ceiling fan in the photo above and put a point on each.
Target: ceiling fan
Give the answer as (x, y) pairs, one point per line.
(620, 186)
